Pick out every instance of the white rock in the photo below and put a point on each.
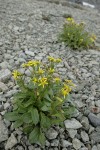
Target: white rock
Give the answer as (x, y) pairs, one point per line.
(6, 105)
(11, 142)
(5, 74)
(94, 148)
(3, 132)
(97, 103)
(72, 124)
(30, 53)
(76, 144)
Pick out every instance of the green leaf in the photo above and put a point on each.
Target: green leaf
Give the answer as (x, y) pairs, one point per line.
(47, 97)
(34, 115)
(34, 135)
(45, 108)
(45, 121)
(17, 123)
(11, 116)
(27, 117)
(42, 138)
(27, 129)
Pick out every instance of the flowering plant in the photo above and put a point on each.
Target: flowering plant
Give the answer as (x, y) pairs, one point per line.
(39, 103)
(75, 36)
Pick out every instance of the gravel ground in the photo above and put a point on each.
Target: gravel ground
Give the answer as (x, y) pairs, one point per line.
(28, 30)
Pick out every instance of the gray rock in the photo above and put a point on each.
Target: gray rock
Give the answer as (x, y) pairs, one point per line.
(55, 142)
(11, 142)
(95, 136)
(72, 133)
(95, 121)
(97, 103)
(6, 105)
(4, 65)
(30, 53)
(51, 134)
(84, 136)
(3, 87)
(5, 74)
(94, 148)
(3, 132)
(72, 124)
(65, 143)
(76, 144)
(85, 122)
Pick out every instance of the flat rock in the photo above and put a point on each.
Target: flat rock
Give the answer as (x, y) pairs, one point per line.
(5, 74)
(51, 134)
(11, 142)
(95, 136)
(72, 124)
(3, 87)
(76, 144)
(95, 121)
(3, 132)
(66, 143)
(84, 136)
(30, 53)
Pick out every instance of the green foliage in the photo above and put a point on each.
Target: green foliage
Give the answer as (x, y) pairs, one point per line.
(75, 36)
(39, 103)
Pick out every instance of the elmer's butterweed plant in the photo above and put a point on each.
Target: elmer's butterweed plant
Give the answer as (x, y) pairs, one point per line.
(75, 36)
(39, 103)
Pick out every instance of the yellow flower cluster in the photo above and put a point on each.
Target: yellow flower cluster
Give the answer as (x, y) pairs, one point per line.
(65, 90)
(31, 63)
(52, 59)
(16, 74)
(71, 20)
(43, 82)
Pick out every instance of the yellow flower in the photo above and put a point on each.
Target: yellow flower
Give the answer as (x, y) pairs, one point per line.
(52, 59)
(58, 60)
(35, 80)
(51, 70)
(40, 71)
(70, 83)
(92, 40)
(81, 40)
(65, 90)
(70, 20)
(31, 63)
(16, 74)
(57, 79)
(43, 82)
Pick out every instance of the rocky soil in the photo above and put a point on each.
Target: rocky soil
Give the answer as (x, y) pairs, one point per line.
(29, 30)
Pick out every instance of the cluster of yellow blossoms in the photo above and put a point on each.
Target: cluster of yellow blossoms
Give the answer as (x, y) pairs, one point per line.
(41, 75)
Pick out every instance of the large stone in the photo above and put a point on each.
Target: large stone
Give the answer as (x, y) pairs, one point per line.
(11, 142)
(84, 136)
(3, 87)
(66, 143)
(30, 53)
(51, 134)
(5, 74)
(95, 136)
(72, 133)
(95, 121)
(3, 132)
(76, 144)
(72, 124)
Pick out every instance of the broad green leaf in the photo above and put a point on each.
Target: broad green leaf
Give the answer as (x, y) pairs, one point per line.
(11, 116)
(42, 138)
(27, 117)
(34, 115)
(45, 121)
(47, 97)
(34, 135)
(45, 108)
(27, 129)
(17, 123)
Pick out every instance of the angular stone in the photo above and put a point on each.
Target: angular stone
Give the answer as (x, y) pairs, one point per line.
(3, 87)
(65, 143)
(72, 133)
(5, 74)
(3, 132)
(95, 121)
(72, 124)
(11, 142)
(97, 103)
(76, 144)
(51, 134)
(95, 136)
(30, 53)
(84, 136)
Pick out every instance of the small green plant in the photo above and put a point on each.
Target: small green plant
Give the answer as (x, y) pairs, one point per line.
(39, 103)
(75, 36)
